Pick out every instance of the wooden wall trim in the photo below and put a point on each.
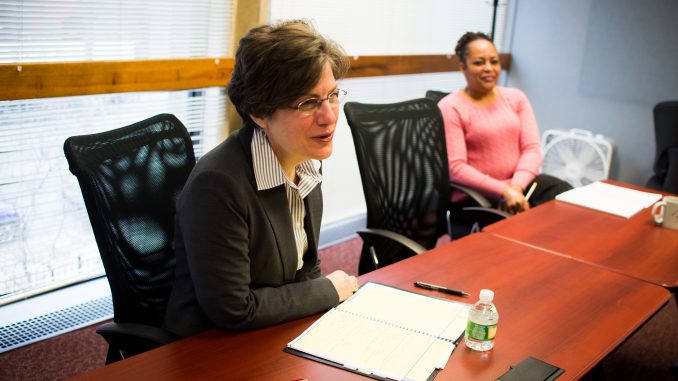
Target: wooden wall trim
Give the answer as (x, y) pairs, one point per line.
(369, 66)
(42, 80)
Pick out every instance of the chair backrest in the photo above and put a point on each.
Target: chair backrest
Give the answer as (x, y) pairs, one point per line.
(666, 134)
(435, 95)
(402, 160)
(130, 178)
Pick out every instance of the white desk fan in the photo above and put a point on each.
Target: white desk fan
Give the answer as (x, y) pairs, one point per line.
(576, 156)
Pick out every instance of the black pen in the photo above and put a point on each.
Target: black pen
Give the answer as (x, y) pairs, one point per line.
(441, 289)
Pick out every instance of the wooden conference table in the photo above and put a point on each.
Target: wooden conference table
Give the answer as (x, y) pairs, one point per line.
(635, 246)
(562, 311)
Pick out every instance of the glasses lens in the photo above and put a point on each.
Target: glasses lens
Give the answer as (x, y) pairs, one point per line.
(310, 104)
(336, 97)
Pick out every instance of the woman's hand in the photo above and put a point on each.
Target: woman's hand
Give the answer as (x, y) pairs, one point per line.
(514, 199)
(345, 284)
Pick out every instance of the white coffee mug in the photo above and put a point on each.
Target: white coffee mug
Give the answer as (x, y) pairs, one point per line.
(665, 212)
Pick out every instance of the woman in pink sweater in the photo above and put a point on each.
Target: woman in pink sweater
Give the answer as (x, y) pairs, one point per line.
(491, 133)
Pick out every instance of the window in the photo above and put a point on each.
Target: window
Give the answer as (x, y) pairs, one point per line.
(45, 236)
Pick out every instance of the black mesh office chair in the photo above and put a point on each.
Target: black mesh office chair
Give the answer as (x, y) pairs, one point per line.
(402, 160)
(665, 176)
(435, 95)
(401, 155)
(130, 178)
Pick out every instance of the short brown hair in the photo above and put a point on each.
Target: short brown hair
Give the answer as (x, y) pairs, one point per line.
(278, 63)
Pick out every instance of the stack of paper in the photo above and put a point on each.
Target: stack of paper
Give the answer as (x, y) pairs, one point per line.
(608, 198)
(386, 333)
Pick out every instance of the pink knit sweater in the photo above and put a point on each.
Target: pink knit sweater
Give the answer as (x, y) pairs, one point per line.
(490, 146)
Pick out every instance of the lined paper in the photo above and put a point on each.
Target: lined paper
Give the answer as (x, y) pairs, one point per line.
(387, 332)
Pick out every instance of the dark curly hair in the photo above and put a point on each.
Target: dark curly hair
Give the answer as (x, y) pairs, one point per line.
(462, 50)
(278, 63)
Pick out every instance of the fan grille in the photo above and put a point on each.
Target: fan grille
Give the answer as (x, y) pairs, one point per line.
(576, 158)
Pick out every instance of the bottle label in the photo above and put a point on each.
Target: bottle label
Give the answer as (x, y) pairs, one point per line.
(481, 332)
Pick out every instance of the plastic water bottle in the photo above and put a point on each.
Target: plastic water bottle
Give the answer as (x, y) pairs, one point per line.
(482, 323)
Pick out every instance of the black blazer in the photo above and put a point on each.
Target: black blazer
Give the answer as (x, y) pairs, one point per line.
(236, 254)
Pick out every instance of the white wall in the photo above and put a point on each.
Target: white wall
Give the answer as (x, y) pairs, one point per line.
(599, 65)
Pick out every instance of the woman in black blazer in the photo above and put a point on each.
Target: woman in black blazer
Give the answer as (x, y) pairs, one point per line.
(248, 218)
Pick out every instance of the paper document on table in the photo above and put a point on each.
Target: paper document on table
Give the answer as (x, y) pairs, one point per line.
(386, 332)
(608, 198)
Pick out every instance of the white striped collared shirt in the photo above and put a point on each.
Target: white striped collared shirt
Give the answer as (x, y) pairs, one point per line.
(268, 173)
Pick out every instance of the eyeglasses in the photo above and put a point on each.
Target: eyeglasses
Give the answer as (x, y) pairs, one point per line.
(311, 105)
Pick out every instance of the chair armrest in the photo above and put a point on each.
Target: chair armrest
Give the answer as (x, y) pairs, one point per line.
(473, 194)
(137, 331)
(129, 339)
(408, 243)
(482, 217)
(383, 247)
(492, 213)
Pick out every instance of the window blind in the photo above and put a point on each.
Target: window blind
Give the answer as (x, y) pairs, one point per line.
(85, 30)
(45, 236)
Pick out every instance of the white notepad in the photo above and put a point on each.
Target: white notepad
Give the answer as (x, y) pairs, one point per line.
(608, 198)
(386, 332)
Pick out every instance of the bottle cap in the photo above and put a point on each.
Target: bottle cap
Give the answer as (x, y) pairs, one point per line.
(486, 295)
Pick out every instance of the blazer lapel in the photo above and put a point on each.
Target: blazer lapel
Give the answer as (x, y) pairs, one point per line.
(314, 212)
(274, 201)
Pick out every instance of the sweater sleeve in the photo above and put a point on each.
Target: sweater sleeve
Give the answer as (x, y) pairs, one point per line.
(530, 151)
